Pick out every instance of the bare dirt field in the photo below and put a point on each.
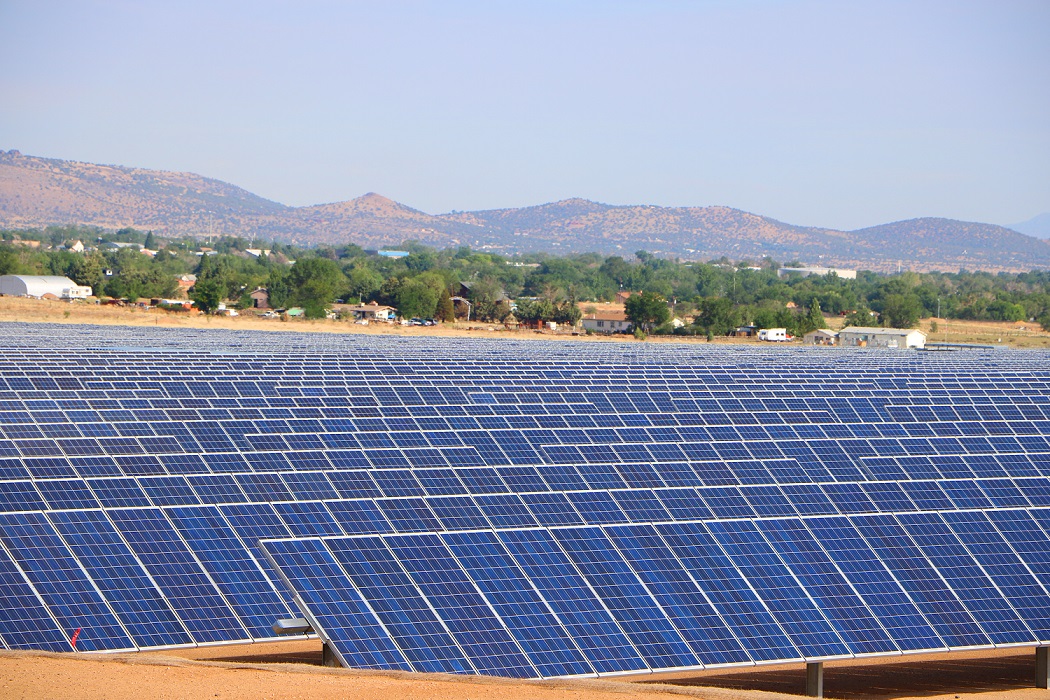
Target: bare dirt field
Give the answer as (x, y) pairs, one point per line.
(292, 670)
(1020, 335)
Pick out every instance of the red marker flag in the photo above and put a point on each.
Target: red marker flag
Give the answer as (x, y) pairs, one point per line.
(73, 639)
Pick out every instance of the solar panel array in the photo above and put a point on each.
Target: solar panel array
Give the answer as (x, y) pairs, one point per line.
(519, 508)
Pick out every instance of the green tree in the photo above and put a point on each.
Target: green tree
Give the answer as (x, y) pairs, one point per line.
(487, 297)
(647, 310)
(207, 294)
(314, 283)
(812, 321)
(716, 315)
(446, 310)
(901, 310)
(277, 287)
(363, 281)
(415, 298)
(8, 261)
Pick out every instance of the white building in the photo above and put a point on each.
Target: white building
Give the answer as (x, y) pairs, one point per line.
(819, 271)
(607, 322)
(39, 285)
(821, 336)
(860, 336)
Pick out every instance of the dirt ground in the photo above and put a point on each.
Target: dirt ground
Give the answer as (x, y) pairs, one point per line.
(1020, 335)
(292, 670)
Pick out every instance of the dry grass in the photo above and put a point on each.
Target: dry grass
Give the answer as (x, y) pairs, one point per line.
(1017, 335)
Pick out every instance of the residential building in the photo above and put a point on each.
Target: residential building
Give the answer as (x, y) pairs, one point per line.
(821, 336)
(260, 298)
(372, 311)
(606, 322)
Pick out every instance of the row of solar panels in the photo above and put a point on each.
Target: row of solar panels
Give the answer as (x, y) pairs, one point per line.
(434, 495)
(136, 578)
(562, 453)
(790, 460)
(635, 598)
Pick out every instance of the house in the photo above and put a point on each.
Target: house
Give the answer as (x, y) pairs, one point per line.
(120, 245)
(260, 298)
(607, 322)
(42, 285)
(77, 247)
(185, 284)
(821, 336)
(622, 297)
(861, 336)
(745, 331)
(372, 311)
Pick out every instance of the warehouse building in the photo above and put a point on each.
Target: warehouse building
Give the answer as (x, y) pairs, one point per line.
(860, 336)
(42, 285)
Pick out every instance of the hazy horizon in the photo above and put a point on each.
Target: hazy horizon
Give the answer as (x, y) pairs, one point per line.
(813, 113)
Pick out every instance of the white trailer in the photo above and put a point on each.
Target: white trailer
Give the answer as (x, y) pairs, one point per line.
(774, 335)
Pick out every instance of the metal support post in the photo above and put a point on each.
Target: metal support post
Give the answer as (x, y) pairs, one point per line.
(815, 680)
(1042, 667)
(328, 657)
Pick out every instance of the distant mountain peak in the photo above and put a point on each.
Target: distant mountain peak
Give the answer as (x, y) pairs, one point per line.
(375, 197)
(1038, 226)
(37, 192)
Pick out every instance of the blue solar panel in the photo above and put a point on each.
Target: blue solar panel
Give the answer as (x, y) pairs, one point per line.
(557, 510)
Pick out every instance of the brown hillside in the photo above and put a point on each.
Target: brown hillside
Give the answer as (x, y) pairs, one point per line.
(37, 192)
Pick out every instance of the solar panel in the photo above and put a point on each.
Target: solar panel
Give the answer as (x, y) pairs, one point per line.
(528, 509)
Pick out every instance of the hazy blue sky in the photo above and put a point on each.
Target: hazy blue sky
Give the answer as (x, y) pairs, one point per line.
(840, 114)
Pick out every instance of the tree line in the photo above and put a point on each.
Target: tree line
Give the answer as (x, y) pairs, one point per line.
(718, 295)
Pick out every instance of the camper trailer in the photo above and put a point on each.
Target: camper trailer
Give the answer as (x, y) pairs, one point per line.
(774, 335)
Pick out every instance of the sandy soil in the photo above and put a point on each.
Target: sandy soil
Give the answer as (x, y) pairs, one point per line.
(292, 670)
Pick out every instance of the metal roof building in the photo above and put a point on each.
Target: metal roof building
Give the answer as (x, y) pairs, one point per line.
(39, 285)
(861, 336)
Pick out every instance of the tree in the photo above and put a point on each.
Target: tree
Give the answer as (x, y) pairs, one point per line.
(859, 318)
(415, 298)
(901, 310)
(446, 310)
(813, 319)
(487, 297)
(314, 283)
(207, 293)
(151, 241)
(363, 281)
(647, 310)
(716, 315)
(8, 261)
(277, 287)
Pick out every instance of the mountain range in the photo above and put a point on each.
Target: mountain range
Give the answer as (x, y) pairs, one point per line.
(37, 192)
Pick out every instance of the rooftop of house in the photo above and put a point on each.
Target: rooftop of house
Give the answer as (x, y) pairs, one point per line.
(880, 331)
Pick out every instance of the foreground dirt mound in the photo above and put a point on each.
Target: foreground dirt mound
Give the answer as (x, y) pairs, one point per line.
(43, 675)
(254, 672)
